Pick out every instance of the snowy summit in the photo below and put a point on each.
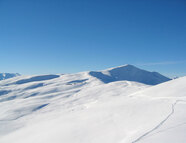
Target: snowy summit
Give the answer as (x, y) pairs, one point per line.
(130, 73)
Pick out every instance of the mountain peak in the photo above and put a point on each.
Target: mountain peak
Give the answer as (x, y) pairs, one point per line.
(130, 73)
(122, 66)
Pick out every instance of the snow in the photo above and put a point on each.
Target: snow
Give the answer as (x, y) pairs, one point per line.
(130, 73)
(80, 108)
(8, 75)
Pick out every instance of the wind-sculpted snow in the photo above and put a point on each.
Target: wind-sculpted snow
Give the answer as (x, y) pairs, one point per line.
(104, 78)
(77, 81)
(3, 92)
(79, 108)
(37, 78)
(39, 107)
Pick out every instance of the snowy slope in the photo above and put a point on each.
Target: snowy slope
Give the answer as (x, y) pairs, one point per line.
(8, 75)
(79, 108)
(130, 73)
(173, 128)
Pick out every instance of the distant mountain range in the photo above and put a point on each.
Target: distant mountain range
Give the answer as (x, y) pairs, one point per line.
(8, 75)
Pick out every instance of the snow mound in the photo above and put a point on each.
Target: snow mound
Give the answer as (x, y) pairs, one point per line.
(130, 73)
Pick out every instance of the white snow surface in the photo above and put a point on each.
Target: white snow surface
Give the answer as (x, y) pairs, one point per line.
(130, 73)
(79, 108)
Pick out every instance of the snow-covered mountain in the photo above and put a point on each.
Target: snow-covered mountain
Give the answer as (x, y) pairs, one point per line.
(8, 75)
(130, 73)
(81, 108)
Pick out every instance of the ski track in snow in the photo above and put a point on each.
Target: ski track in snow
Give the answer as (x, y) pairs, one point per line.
(160, 124)
(178, 125)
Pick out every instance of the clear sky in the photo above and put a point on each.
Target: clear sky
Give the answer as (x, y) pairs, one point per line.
(67, 36)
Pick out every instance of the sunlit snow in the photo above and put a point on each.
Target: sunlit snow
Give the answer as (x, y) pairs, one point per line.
(82, 108)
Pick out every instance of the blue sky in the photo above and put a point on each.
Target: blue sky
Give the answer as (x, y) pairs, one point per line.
(67, 36)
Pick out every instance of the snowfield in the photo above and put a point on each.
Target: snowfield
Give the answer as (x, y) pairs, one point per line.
(84, 108)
